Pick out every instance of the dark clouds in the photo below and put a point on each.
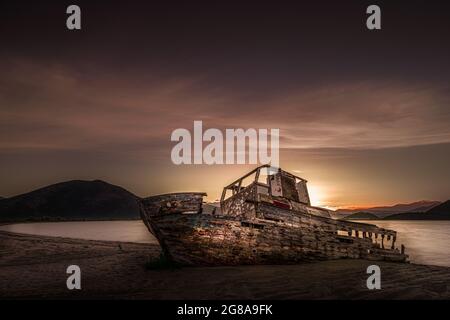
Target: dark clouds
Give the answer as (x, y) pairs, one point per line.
(104, 100)
(52, 107)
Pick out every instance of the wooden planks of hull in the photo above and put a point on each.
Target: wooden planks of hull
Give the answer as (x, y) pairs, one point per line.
(271, 236)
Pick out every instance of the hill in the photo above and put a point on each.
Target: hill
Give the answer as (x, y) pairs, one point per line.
(384, 211)
(442, 209)
(71, 200)
(439, 212)
(361, 216)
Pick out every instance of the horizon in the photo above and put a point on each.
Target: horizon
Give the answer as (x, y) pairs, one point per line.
(209, 200)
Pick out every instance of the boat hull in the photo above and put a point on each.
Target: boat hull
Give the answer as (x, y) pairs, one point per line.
(195, 238)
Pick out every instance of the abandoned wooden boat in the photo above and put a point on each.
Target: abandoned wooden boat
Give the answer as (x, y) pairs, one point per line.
(264, 217)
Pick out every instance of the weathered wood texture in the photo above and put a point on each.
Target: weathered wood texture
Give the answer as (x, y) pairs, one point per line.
(261, 224)
(264, 234)
(173, 203)
(241, 204)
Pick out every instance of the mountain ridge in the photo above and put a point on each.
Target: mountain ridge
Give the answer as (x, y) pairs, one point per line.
(439, 212)
(361, 216)
(383, 211)
(71, 200)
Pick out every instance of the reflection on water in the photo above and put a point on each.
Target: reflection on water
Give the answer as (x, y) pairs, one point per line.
(127, 231)
(427, 242)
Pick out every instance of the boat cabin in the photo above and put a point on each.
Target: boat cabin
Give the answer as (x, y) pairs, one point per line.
(268, 184)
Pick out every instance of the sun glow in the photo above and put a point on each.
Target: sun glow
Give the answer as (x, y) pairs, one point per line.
(316, 195)
(320, 197)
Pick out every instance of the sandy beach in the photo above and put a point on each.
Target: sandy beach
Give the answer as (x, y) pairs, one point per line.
(34, 267)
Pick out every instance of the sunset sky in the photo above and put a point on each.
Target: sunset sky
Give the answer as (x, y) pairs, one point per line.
(363, 115)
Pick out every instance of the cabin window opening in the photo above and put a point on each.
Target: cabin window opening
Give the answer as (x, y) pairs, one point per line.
(228, 193)
(248, 180)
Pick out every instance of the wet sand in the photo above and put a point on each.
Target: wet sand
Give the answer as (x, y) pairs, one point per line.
(34, 267)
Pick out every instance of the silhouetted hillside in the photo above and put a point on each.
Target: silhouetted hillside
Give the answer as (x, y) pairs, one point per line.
(439, 212)
(361, 216)
(408, 216)
(383, 211)
(71, 200)
(442, 209)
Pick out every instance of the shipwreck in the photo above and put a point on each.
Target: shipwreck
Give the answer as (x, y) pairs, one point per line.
(265, 217)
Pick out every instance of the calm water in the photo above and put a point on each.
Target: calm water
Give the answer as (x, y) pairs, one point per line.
(427, 242)
(127, 231)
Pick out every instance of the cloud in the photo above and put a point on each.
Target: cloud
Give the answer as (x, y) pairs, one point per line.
(54, 107)
(367, 116)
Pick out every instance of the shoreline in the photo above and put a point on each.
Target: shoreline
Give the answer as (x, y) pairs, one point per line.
(34, 267)
(2, 223)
